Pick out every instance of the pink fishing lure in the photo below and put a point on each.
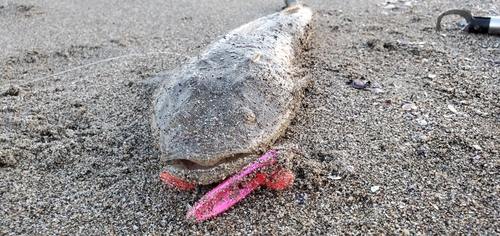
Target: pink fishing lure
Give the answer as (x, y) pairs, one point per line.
(232, 190)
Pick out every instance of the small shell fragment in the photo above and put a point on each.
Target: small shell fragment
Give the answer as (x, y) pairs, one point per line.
(477, 147)
(375, 188)
(431, 76)
(359, 84)
(334, 177)
(390, 6)
(452, 109)
(409, 106)
(403, 43)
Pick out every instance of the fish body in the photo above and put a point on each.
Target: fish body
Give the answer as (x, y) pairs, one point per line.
(227, 106)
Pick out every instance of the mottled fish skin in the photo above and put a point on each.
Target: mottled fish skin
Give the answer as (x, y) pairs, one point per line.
(231, 103)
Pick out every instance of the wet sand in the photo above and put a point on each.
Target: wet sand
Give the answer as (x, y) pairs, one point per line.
(77, 155)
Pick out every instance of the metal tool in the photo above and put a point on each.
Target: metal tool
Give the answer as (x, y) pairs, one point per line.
(475, 24)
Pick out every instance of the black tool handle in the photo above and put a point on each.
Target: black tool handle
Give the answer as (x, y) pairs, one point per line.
(479, 25)
(485, 25)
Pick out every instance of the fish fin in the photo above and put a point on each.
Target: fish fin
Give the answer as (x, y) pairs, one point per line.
(156, 81)
(304, 79)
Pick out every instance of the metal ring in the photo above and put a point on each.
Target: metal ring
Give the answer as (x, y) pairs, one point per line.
(463, 13)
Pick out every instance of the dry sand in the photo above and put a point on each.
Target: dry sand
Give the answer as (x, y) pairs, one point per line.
(77, 155)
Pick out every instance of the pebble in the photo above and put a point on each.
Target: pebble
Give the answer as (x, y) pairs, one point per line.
(375, 188)
(422, 122)
(359, 84)
(462, 22)
(12, 91)
(301, 198)
(410, 188)
(409, 116)
(425, 138)
(431, 76)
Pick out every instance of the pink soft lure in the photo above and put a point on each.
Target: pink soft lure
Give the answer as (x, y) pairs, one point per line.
(232, 190)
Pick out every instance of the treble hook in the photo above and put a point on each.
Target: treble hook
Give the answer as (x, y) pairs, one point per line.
(485, 25)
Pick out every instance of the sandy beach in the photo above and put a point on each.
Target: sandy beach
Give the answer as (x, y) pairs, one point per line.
(416, 154)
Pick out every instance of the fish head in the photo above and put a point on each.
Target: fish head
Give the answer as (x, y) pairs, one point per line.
(209, 127)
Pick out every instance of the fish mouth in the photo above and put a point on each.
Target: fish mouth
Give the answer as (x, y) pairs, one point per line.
(199, 172)
(193, 165)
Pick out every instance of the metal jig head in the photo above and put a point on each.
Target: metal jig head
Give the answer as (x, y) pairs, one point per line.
(485, 25)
